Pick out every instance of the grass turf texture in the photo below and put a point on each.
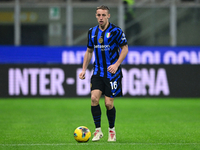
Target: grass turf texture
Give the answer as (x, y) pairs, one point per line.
(144, 123)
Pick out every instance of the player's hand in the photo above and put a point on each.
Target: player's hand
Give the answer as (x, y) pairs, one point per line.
(113, 68)
(82, 75)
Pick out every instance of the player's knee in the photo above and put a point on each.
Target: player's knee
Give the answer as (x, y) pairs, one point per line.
(94, 100)
(109, 105)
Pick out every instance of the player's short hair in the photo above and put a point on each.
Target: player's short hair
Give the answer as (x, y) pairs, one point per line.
(103, 7)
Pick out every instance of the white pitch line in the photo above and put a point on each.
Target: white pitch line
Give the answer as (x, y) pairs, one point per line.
(72, 144)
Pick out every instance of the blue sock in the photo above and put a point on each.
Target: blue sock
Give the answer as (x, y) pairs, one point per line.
(111, 117)
(96, 113)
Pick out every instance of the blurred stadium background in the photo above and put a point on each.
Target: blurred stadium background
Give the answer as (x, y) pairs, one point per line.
(42, 45)
(66, 22)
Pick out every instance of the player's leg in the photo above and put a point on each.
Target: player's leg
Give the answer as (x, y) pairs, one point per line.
(96, 92)
(96, 113)
(111, 114)
(113, 89)
(95, 107)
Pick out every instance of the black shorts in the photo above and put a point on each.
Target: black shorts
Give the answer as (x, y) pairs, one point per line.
(110, 88)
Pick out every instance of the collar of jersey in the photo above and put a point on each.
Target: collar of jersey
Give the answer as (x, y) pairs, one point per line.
(106, 28)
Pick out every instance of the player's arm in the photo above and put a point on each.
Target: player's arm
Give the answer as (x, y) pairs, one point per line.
(113, 68)
(122, 55)
(86, 61)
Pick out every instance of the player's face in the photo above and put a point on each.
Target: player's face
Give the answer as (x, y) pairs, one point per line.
(102, 18)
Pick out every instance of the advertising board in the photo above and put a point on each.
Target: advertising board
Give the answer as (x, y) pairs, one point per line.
(32, 80)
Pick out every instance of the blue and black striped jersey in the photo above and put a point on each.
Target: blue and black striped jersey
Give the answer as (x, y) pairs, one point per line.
(106, 45)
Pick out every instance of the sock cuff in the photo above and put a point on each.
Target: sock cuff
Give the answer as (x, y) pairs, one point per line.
(94, 107)
(113, 110)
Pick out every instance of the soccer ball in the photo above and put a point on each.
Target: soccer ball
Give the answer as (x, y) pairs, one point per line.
(82, 134)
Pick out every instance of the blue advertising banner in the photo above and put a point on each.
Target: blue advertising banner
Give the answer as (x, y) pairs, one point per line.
(75, 54)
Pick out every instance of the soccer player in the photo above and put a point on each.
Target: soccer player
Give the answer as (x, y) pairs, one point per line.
(106, 40)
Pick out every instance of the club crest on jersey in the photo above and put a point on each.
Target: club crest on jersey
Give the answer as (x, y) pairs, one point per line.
(108, 35)
(101, 40)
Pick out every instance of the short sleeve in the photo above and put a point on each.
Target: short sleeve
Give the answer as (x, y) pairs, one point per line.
(121, 38)
(90, 43)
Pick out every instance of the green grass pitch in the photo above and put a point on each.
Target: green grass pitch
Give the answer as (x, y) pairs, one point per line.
(141, 124)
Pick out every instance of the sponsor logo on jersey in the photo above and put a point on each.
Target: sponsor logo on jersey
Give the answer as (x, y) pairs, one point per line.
(103, 47)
